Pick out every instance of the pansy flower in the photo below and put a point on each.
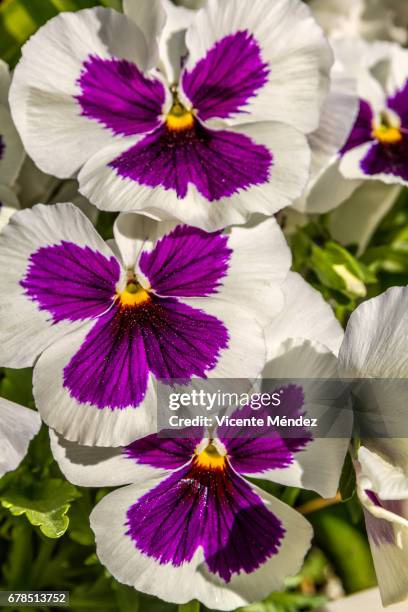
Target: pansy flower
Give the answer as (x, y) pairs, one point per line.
(18, 425)
(375, 346)
(377, 147)
(202, 127)
(190, 526)
(103, 322)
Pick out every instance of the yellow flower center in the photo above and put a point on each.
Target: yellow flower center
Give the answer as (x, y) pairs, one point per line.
(134, 295)
(387, 129)
(179, 118)
(211, 458)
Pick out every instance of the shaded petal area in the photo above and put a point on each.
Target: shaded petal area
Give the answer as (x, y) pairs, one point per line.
(187, 262)
(231, 73)
(216, 510)
(217, 163)
(71, 282)
(362, 130)
(170, 339)
(118, 95)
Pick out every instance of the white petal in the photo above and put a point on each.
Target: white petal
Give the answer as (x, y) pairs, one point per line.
(257, 269)
(135, 232)
(25, 330)
(18, 425)
(80, 422)
(45, 84)
(8, 205)
(291, 43)
(150, 17)
(192, 580)
(305, 315)
(376, 343)
(173, 48)
(318, 466)
(356, 220)
(387, 481)
(368, 599)
(102, 185)
(95, 466)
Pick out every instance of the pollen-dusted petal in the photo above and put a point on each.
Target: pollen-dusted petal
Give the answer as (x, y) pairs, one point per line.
(218, 163)
(199, 535)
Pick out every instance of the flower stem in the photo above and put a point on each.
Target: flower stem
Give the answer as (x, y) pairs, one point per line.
(317, 504)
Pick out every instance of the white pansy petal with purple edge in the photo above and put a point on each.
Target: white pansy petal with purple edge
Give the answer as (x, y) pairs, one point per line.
(18, 425)
(224, 567)
(50, 258)
(316, 464)
(239, 61)
(247, 169)
(305, 315)
(58, 96)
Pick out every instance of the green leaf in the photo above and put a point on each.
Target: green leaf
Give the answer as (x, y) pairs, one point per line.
(16, 386)
(346, 548)
(347, 485)
(45, 504)
(192, 606)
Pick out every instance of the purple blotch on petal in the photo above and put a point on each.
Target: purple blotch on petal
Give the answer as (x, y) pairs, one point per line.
(71, 282)
(163, 336)
(118, 95)
(362, 129)
(270, 448)
(227, 78)
(187, 262)
(217, 163)
(216, 510)
(165, 453)
(399, 104)
(383, 158)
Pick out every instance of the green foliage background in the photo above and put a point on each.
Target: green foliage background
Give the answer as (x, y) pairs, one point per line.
(45, 539)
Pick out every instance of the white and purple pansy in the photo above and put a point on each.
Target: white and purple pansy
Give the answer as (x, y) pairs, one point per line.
(376, 346)
(103, 322)
(377, 147)
(11, 149)
(208, 145)
(190, 525)
(18, 425)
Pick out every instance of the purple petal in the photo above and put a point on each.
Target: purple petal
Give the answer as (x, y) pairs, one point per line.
(73, 283)
(118, 95)
(165, 337)
(362, 130)
(227, 78)
(213, 509)
(164, 453)
(399, 104)
(389, 159)
(187, 262)
(217, 163)
(269, 450)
